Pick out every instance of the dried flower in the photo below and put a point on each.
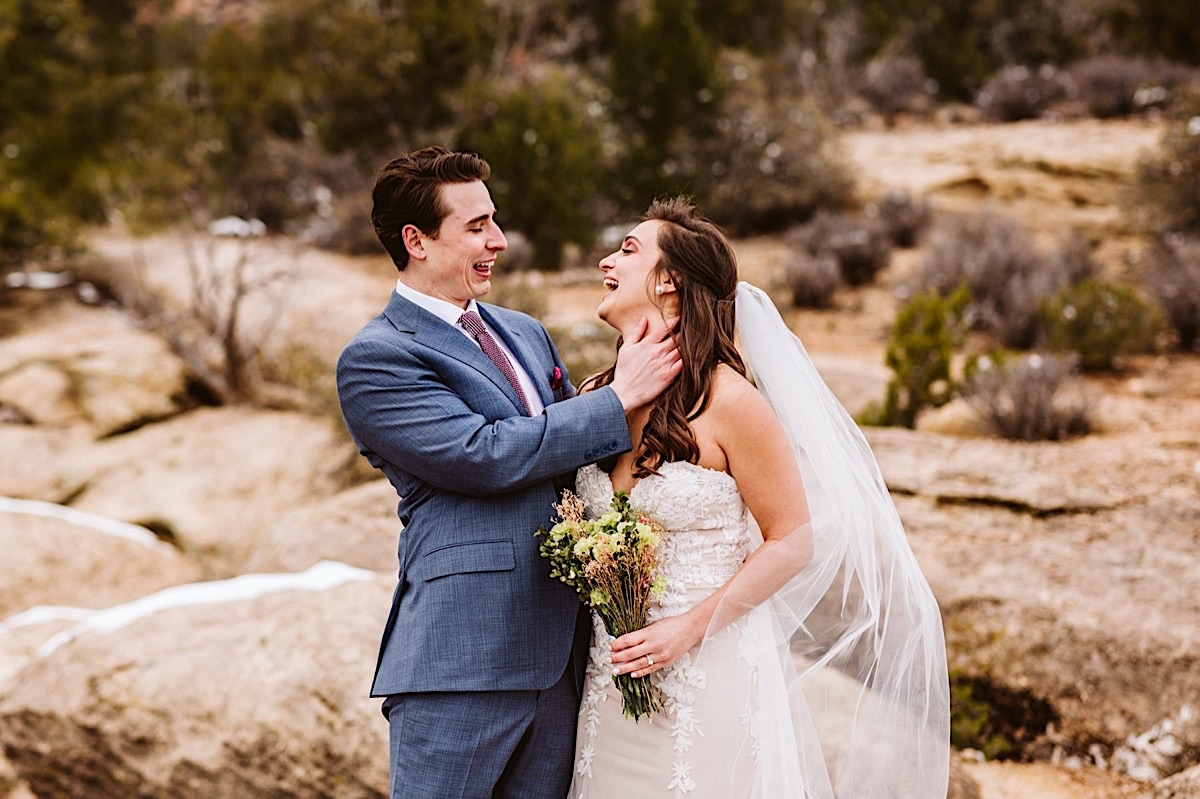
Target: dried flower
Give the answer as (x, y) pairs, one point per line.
(612, 563)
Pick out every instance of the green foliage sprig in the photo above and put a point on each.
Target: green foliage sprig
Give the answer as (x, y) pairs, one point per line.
(1100, 322)
(928, 330)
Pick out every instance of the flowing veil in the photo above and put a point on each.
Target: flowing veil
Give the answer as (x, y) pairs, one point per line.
(861, 657)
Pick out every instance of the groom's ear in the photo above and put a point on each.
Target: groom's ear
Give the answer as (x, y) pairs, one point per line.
(414, 241)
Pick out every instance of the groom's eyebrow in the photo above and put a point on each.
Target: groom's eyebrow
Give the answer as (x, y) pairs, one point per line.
(481, 218)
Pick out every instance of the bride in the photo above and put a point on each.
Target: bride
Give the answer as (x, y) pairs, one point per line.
(797, 646)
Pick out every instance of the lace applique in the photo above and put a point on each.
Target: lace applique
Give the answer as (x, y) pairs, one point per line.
(679, 683)
(749, 650)
(596, 682)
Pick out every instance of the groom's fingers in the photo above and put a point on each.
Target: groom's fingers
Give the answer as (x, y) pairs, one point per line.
(661, 333)
(640, 332)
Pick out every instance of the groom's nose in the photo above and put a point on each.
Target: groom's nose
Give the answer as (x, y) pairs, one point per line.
(496, 239)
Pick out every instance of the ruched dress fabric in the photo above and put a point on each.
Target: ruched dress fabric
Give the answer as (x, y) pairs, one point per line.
(707, 743)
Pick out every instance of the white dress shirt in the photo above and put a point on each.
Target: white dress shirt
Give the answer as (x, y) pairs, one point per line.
(449, 313)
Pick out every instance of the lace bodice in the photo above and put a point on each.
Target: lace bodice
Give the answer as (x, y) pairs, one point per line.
(708, 529)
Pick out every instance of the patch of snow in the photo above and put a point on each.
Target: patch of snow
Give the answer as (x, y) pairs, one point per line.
(91, 521)
(41, 614)
(39, 281)
(237, 227)
(319, 577)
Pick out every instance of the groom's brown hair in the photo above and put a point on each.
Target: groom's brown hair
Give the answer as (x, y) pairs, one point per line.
(408, 191)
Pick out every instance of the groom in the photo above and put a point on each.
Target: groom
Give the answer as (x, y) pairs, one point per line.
(467, 409)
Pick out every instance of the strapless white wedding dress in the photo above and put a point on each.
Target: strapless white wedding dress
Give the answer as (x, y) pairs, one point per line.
(709, 741)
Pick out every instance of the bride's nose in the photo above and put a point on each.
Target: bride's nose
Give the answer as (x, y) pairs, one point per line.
(608, 262)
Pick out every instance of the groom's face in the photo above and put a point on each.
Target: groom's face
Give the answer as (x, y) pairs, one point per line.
(456, 265)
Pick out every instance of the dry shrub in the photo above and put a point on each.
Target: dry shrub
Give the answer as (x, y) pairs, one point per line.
(1073, 259)
(1168, 181)
(904, 216)
(521, 291)
(859, 244)
(586, 348)
(1031, 398)
(773, 160)
(810, 280)
(1116, 86)
(1018, 92)
(305, 379)
(996, 259)
(1174, 281)
(236, 291)
(897, 85)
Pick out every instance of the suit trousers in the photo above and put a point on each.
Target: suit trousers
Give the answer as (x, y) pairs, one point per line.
(483, 744)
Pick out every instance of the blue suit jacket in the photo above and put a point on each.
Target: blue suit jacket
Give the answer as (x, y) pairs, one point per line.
(474, 608)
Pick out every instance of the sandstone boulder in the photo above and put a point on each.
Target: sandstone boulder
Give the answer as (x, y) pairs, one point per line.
(51, 464)
(961, 785)
(855, 383)
(91, 364)
(357, 526)
(255, 686)
(216, 479)
(60, 562)
(59, 556)
(1064, 573)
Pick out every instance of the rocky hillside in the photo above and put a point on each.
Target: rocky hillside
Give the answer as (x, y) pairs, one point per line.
(195, 592)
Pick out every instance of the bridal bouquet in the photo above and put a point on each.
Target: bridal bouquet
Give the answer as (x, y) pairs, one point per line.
(612, 562)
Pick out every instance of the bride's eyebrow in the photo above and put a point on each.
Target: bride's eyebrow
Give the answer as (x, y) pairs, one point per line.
(634, 239)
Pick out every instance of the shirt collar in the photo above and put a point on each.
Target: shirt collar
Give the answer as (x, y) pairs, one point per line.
(442, 309)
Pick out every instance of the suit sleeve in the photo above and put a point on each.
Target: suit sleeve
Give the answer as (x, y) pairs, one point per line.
(398, 409)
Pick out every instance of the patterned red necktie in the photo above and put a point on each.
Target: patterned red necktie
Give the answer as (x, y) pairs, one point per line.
(473, 324)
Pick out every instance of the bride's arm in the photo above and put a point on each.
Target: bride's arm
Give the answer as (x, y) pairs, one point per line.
(760, 459)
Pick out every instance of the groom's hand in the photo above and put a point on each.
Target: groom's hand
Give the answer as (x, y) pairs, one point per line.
(647, 362)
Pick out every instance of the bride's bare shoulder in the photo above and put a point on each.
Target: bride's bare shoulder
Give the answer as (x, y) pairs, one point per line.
(734, 393)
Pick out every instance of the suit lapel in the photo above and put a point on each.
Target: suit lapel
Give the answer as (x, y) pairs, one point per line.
(520, 345)
(430, 331)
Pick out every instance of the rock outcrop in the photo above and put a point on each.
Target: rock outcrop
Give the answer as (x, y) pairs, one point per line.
(357, 526)
(216, 480)
(90, 365)
(255, 686)
(1064, 572)
(55, 555)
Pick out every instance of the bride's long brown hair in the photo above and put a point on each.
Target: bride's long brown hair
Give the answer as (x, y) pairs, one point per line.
(700, 262)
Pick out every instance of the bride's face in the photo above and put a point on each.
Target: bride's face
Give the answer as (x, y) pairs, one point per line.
(631, 278)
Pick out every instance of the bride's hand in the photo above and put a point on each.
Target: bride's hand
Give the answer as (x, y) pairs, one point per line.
(655, 646)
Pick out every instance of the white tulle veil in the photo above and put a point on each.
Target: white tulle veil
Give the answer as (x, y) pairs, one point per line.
(862, 657)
